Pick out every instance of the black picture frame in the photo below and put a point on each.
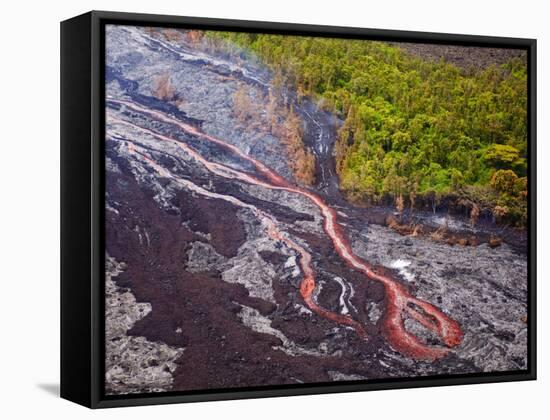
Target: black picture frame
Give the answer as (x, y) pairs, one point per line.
(82, 207)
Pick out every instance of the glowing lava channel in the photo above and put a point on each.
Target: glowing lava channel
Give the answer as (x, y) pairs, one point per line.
(398, 300)
(308, 282)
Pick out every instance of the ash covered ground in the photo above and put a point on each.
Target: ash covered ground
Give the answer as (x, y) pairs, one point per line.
(200, 291)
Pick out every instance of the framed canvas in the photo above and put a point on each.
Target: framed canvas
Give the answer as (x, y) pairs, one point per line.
(255, 209)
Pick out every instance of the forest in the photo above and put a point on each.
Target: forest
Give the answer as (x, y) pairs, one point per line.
(415, 132)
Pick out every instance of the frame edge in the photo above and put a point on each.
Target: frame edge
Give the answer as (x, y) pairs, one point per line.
(75, 126)
(96, 19)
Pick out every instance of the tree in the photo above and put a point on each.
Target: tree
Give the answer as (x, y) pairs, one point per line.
(163, 89)
(271, 111)
(400, 204)
(504, 181)
(242, 105)
(474, 214)
(412, 196)
(172, 35)
(503, 156)
(194, 37)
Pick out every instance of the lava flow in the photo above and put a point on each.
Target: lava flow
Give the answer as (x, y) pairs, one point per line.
(398, 300)
(308, 282)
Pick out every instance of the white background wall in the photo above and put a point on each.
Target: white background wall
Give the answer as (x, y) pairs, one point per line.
(29, 234)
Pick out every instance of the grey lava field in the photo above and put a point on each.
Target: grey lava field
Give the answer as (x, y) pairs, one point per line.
(224, 271)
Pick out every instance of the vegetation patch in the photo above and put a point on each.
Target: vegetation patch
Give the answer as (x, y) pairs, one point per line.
(413, 128)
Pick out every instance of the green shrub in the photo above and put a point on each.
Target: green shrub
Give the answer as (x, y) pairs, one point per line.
(410, 126)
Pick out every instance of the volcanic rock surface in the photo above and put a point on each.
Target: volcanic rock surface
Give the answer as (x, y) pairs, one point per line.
(207, 251)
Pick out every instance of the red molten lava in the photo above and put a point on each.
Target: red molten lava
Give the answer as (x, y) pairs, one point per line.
(398, 300)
